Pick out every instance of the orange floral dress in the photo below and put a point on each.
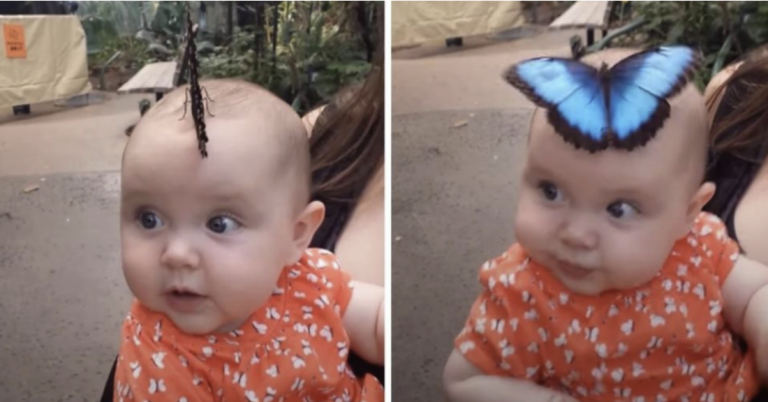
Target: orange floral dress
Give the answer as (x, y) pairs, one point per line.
(293, 348)
(664, 341)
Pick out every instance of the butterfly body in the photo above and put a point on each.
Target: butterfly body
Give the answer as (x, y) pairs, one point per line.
(195, 92)
(595, 108)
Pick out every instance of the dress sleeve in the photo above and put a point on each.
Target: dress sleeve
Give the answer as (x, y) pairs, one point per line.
(337, 283)
(716, 245)
(497, 338)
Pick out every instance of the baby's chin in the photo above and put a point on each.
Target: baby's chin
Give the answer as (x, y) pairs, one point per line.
(202, 325)
(596, 284)
(592, 286)
(198, 323)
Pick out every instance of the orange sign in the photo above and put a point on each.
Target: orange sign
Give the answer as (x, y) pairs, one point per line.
(15, 46)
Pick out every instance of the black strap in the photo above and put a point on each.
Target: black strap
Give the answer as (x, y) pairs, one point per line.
(109, 387)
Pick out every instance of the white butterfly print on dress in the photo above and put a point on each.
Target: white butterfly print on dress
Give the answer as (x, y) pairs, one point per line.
(251, 396)
(591, 334)
(136, 369)
(322, 301)
(156, 386)
(157, 358)
(497, 325)
(259, 327)
(342, 348)
(158, 331)
(298, 362)
(270, 395)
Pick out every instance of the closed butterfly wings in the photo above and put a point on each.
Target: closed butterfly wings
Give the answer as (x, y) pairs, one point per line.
(621, 107)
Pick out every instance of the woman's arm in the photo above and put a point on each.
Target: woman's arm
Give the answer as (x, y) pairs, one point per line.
(465, 382)
(745, 305)
(364, 322)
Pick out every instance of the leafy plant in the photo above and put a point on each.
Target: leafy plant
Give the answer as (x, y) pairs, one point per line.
(317, 51)
(105, 21)
(235, 60)
(134, 53)
(723, 31)
(168, 23)
(304, 52)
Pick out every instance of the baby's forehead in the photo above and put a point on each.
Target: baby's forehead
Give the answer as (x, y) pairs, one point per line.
(255, 139)
(680, 142)
(237, 117)
(222, 131)
(240, 161)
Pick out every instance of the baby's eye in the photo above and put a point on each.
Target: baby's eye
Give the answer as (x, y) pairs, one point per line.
(221, 224)
(622, 210)
(149, 220)
(550, 191)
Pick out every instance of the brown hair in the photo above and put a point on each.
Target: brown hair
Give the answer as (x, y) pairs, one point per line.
(347, 142)
(738, 136)
(740, 121)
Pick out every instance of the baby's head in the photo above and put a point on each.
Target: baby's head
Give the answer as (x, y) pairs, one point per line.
(608, 220)
(204, 240)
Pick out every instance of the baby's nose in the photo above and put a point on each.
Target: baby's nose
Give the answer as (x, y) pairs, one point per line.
(180, 253)
(579, 236)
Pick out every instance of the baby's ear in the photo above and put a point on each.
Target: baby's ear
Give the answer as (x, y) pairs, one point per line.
(304, 228)
(702, 196)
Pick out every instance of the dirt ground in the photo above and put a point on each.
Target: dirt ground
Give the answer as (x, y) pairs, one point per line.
(62, 294)
(458, 136)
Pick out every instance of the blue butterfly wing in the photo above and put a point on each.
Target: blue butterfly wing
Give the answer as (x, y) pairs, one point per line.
(640, 87)
(571, 92)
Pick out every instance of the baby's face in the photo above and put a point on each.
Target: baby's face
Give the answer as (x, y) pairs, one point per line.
(607, 220)
(203, 241)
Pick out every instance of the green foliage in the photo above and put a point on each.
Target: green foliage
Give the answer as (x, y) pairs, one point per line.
(317, 49)
(117, 26)
(168, 23)
(706, 26)
(316, 53)
(104, 22)
(233, 60)
(134, 53)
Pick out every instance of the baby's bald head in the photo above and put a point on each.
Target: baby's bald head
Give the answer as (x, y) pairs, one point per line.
(683, 136)
(245, 121)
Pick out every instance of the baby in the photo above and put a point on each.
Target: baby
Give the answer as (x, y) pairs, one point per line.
(230, 304)
(619, 288)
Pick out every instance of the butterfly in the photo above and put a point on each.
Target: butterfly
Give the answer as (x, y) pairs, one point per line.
(622, 106)
(195, 91)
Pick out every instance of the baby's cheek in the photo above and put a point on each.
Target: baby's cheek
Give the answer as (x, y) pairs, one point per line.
(140, 263)
(530, 227)
(242, 283)
(632, 263)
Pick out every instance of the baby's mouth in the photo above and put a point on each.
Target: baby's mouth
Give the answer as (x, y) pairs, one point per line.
(572, 270)
(184, 293)
(185, 300)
